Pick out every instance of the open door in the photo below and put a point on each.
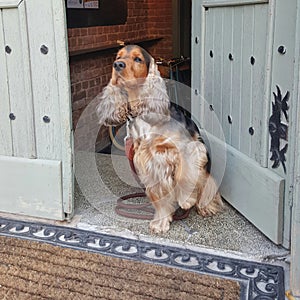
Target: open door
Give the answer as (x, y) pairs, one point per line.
(36, 177)
(242, 73)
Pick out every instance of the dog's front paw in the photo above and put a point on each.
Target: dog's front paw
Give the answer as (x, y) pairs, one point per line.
(214, 207)
(188, 203)
(207, 211)
(160, 226)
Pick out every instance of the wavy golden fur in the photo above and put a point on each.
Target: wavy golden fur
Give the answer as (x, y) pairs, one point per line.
(170, 159)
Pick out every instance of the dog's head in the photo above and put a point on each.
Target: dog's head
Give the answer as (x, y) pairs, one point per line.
(135, 89)
(131, 67)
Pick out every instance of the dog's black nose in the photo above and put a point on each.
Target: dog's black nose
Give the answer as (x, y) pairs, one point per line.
(119, 65)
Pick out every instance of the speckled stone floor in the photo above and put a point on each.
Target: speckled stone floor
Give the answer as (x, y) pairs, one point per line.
(102, 178)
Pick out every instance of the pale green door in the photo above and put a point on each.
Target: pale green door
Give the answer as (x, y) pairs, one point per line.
(243, 63)
(35, 113)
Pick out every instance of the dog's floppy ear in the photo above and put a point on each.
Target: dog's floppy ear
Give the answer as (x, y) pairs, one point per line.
(112, 108)
(154, 94)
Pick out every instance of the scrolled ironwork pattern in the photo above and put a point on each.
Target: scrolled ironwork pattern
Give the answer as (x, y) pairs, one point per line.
(257, 280)
(278, 129)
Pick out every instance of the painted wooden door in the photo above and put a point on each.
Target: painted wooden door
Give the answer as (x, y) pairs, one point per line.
(243, 94)
(35, 113)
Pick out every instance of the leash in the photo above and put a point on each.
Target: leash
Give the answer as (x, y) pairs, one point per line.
(128, 210)
(132, 210)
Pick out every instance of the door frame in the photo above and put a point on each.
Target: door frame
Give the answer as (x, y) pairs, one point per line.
(295, 192)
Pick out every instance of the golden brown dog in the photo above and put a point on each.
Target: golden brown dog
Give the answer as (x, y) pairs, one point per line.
(170, 158)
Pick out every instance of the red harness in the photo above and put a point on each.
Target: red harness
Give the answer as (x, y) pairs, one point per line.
(129, 151)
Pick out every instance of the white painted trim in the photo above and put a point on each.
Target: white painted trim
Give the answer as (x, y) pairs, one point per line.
(295, 224)
(197, 49)
(264, 159)
(219, 3)
(10, 3)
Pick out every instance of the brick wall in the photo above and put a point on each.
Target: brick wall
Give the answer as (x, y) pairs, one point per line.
(160, 24)
(91, 72)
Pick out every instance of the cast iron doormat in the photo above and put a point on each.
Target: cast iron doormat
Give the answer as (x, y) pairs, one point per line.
(257, 280)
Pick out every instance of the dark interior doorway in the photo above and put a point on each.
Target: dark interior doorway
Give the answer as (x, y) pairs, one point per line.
(182, 27)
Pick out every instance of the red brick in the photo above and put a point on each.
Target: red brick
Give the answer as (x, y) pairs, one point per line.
(79, 96)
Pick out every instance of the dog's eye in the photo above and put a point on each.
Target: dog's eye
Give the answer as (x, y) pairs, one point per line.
(137, 59)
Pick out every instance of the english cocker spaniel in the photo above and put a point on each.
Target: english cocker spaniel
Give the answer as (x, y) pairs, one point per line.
(169, 158)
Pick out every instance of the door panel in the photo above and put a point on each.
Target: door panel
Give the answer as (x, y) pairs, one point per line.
(242, 63)
(235, 66)
(254, 191)
(35, 125)
(31, 187)
(18, 81)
